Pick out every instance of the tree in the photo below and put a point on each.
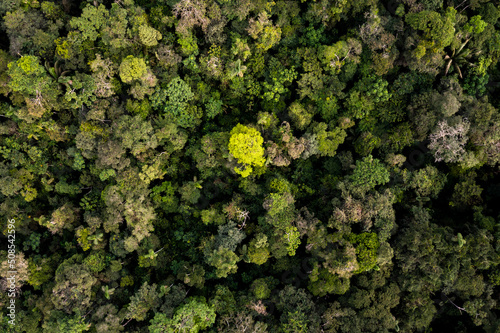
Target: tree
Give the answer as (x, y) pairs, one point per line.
(241, 322)
(436, 28)
(466, 193)
(262, 29)
(193, 316)
(258, 250)
(427, 182)
(135, 134)
(177, 105)
(475, 25)
(62, 323)
(367, 245)
(224, 260)
(91, 21)
(30, 79)
(62, 218)
(144, 300)
(458, 58)
(261, 288)
(322, 282)
(73, 286)
(325, 142)
(30, 31)
(103, 72)
(447, 142)
(245, 144)
(369, 172)
(132, 68)
(300, 116)
(80, 90)
(107, 320)
(21, 266)
(299, 313)
(192, 13)
(149, 36)
(192, 276)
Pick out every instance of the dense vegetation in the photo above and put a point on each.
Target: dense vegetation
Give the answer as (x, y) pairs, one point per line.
(251, 165)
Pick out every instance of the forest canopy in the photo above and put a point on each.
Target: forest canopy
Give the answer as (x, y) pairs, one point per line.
(249, 166)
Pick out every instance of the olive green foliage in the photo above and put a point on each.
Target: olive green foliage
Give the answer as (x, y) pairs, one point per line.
(132, 68)
(91, 21)
(367, 246)
(369, 172)
(250, 166)
(437, 29)
(224, 260)
(174, 101)
(194, 316)
(475, 25)
(148, 35)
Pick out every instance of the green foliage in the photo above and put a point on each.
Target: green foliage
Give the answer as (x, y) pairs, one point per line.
(81, 92)
(27, 76)
(358, 105)
(434, 26)
(269, 37)
(292, 239)
(79, 162)
(91, 21)
(297, 323)
(209, 216)
(194, 316)
(132, 68)
(188, 45)
(95, 262)
(142, 108)
(475, 85)
(300, 116)
(407, 83)
(280, 77)
(148, 35)
(164, 196)
(64, 188)
(106, 174)
(466, 193)
(90, 201)
(378, 90)
(428, 182)
(361, 193)
(224, 260)
(41, 270)
(365, 144)
(213, 107)
(258, 250)
(177, 104)
(367, 246)
(327, 141)
(261, 288)
(245, 144)
(190, 192)
(475, 25)
(192, 276)
(73, 285)
(32, 242)
(74, 324)
(369, 172)
(145, 299)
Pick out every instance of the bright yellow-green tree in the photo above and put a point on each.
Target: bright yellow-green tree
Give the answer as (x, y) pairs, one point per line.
(132, 68)
(245, 144)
